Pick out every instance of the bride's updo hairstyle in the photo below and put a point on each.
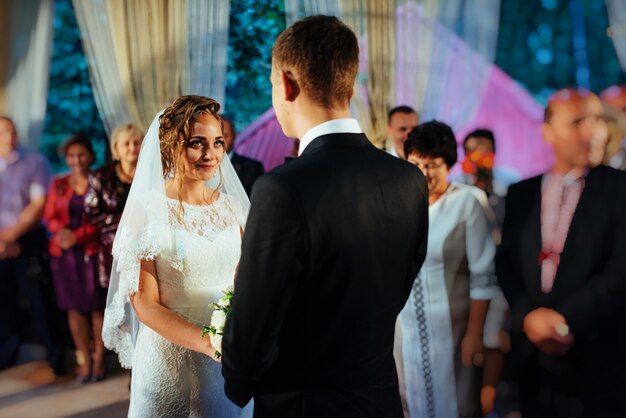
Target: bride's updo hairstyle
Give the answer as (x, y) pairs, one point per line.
(174, 131)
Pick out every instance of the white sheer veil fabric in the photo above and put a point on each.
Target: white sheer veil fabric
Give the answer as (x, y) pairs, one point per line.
(143, 233)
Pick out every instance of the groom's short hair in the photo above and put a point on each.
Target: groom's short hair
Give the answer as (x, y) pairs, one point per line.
(323, 54)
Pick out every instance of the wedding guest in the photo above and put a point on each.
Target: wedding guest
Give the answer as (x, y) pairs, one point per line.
(442, 322)
(73, 247)
(247, 169)
(331, 247)
(615, 96)
(108, 190)
(562, 268)
(24, 271)
(479, 170)
(400, 121)
(614, 100)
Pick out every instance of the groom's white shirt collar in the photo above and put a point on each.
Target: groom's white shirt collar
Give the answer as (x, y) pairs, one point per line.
(392, 151)
(335, 126)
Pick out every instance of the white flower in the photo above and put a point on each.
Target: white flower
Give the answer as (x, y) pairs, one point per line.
(218, 319)
(216, 342)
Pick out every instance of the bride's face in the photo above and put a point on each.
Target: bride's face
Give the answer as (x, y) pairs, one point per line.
(204, 149)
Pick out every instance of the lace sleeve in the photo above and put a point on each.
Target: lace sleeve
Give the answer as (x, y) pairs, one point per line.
(143, 237)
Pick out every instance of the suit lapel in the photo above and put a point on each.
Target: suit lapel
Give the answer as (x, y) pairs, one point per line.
(531, 232)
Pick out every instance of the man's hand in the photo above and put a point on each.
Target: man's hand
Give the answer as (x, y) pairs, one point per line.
(541, 325)
(472, 349)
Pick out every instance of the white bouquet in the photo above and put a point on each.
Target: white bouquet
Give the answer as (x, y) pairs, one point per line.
(221, 310)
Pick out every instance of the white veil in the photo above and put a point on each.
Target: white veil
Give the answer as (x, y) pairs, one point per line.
(144, 232)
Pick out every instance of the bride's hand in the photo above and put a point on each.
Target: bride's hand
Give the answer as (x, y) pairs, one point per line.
(212, 355)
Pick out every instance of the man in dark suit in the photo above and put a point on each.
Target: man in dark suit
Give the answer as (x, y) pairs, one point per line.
(562, 267)
(248, 170)
(332, 245)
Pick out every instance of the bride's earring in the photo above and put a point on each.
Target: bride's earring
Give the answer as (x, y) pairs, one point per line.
(219, 170)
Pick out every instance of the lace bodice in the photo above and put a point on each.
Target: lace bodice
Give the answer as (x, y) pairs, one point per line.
(202, 259)
(205, 220)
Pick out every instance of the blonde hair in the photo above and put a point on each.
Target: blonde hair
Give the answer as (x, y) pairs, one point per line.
(175, 129)
(119, 132)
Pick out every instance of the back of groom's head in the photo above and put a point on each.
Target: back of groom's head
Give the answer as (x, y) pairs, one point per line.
(322, 54)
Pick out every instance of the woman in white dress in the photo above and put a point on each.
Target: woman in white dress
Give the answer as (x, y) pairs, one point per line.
(441, 325)
(176, 250)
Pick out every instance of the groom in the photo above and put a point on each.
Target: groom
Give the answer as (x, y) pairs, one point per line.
(333, 242)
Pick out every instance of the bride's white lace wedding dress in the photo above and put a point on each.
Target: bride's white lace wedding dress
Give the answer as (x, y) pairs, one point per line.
(169, 380)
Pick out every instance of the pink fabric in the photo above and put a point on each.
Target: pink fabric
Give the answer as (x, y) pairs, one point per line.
(559, 199)
(264, 141)
(515, 119)
(467, 92)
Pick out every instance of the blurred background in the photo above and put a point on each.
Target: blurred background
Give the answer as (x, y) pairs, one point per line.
(85, 67)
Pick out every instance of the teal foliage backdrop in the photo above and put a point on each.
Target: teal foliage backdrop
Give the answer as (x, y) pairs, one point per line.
(536, 47)
(253, 27)
(71, 106)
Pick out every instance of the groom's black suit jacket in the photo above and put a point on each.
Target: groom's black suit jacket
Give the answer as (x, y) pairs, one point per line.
(589, 291)
(332, 245)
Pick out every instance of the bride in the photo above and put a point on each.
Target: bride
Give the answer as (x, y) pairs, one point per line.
(176, 249)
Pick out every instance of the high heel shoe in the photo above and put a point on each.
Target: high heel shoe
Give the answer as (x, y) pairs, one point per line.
(98, 377)
(83, 379)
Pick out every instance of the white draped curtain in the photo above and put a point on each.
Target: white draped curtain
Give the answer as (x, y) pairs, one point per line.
(26, 61)
(475, 21)
(297, 9)
(617, 20)
(142, 54)
(207, 43)
(444, 84)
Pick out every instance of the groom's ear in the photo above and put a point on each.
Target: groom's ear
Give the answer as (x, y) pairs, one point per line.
(291, 89)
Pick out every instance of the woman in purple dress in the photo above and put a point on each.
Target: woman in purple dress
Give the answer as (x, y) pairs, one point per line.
(73, 247)
(108, 189)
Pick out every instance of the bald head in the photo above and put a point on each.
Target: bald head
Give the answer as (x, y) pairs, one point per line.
(574, 126)
(564, 96)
